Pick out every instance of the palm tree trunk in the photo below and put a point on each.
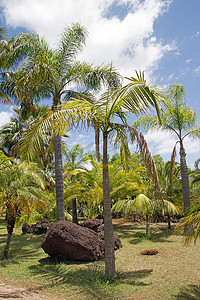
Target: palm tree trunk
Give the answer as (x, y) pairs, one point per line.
(11, 217)
(97, 137)
(59, 178)
(74, 212)
(185, 179)
(74, 208)
(148, 233)
(169, 221)
(108, 227)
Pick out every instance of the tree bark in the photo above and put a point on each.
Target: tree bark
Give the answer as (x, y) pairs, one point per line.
(185, 178)
(59, 178)
(108, 227)
(74, 208)
(11, 217)
(97, 137)
(169, 221)
(148, 233)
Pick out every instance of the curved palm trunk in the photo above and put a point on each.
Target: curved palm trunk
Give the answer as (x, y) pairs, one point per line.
(108, 227)
(59, 178)
(11, 217)
(185, 179)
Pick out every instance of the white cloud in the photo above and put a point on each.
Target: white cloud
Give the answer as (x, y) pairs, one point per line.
(160, 142)
(188, 61)
(129, 42)
(5, 117)
(170, 77)
(197, 70)
(195, 35)
(163, 142)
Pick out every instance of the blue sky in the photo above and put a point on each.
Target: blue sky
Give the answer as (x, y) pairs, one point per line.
(161, 37)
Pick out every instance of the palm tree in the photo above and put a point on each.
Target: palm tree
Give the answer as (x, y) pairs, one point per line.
(54, 72)
(4, 64)
(74, 161)
(21, 186)
(12, 132)
(135, 97)
(181, 120)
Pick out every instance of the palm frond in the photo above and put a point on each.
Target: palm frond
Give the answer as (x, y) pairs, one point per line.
(71, 42)
(172, 164)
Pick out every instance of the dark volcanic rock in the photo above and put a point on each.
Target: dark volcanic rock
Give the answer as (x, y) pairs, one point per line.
(97, 226)
(41, 227)
(38, 228)
(92, 224)
(72, 242)
(26, 228)
(117, 241)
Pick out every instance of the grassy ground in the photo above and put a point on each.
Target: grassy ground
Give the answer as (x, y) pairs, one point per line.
(174, 273)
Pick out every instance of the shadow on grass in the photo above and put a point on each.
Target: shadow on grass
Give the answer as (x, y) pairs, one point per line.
(191, 292)
(22, 246)
(85, 278)
(136, 233)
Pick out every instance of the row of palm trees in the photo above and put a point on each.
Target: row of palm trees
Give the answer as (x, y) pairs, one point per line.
(39, 71)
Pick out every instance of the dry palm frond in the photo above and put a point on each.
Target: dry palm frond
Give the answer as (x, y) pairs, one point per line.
(149, 161)
(172, 164)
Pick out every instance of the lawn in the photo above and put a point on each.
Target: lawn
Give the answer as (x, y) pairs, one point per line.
(174, 273)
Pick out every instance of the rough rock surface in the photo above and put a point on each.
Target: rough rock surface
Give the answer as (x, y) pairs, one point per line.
(97, 226)
(37, 228)
(93, 224)
(26, 228)
(72, 242)
(117, 241)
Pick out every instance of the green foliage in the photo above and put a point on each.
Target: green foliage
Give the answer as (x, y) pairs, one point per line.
(191, 222)
(22, 185)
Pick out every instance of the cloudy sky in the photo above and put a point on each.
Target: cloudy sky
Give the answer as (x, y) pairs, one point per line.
(161, 37)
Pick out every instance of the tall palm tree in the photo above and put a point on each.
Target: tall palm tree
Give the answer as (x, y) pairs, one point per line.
(136, 97)
(180, 119)
(55, 72)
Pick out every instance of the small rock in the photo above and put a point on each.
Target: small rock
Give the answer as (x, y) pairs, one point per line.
(26, 228)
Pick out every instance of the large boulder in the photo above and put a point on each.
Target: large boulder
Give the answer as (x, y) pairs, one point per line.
(72, 242)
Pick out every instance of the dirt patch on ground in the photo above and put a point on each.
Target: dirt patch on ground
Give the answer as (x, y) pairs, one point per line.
(10, 292)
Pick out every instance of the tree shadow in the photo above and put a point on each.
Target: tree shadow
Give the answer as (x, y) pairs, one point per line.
(136, 233)
(85, 278)
(191, 292)
(22, 247)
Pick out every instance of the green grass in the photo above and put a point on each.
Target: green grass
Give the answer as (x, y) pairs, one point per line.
(174, 273)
